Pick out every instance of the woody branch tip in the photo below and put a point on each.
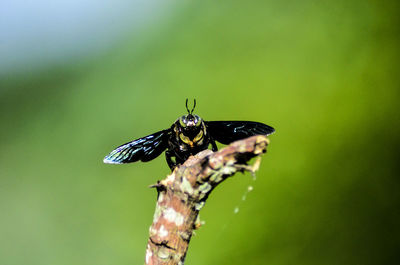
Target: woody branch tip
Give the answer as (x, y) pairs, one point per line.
(183, 193)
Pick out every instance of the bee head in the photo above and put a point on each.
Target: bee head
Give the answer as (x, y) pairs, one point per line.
(190, 121)
(190, 126)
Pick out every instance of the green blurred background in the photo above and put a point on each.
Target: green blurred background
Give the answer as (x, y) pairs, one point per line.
(325, 74)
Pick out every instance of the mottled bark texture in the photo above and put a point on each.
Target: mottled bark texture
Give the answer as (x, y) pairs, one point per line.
(183, 193)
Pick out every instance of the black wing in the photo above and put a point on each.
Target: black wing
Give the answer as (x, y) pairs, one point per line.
(227, 132)
(143, 149)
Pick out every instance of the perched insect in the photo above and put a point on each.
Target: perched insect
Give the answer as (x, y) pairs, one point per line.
(188, 135)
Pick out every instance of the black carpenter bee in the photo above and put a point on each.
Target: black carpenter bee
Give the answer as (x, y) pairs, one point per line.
(188, 135)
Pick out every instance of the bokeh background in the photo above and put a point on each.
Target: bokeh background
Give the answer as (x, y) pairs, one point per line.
(78, 78)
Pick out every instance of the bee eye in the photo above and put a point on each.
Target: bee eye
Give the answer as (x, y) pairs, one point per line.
(182, 122)
(197, 121)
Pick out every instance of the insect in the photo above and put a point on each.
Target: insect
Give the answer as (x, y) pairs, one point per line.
(188, 135)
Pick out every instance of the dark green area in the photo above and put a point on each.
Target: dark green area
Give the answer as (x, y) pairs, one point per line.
(325, 74)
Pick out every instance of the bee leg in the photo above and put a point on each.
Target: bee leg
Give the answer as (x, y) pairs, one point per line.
(213, 145)
(170, 162)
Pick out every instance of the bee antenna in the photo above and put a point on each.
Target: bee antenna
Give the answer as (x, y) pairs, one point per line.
(193, 106)
(187, 106)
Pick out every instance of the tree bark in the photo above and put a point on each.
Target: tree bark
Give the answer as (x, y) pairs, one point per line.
(184, 192)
